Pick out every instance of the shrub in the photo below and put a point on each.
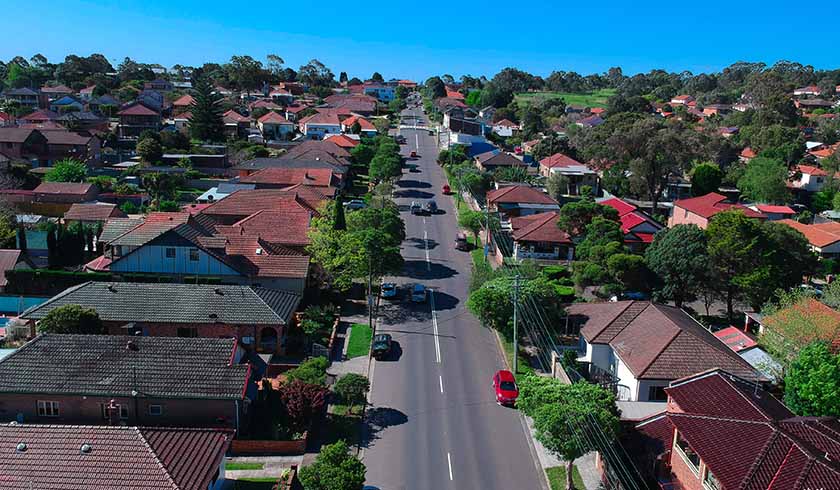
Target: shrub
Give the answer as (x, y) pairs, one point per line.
(352, 388)
(71, 319)
(312, 371)
(302, 402)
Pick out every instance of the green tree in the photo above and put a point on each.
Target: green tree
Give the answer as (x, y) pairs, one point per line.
(472, 221)
(245, 73)
(334, 469)
(150, 150)
(812, 384)
(511, 174)
(71, 319)
(492, 302)
(564, 413)
(679, 257)
(206, 123)
(352, 388)
(67, 170)
(765, 180)
(557, 185)
(577, 215)
(733, 245)
(339, 221)
(312, 371)
(705, 178)
(161, 186)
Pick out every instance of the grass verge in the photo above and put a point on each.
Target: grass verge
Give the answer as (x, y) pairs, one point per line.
(359, 342)
(237, 465)
(524, 366)
(557, 478)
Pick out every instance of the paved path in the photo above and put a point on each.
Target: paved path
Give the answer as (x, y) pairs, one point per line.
(434, 423)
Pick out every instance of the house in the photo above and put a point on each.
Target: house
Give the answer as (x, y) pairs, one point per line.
(280, 178)
(823, 238)
(729, 132)
(92, 213)
(638, 227)
(318, 125)
(12, 259)
(50, 198)
(66, 457)
(293, 110)
(808, 178)
(320, 150)
(590, 121)
(155, 381)
(699, 210)
(577, 174)
(536, 236)
(493, 160)
(802, 323)
(236, 125)
(363, 105)
(273, 126)
(682, 100)
(56, 92)
(136, 118)
(445, 103)
(39, 117)
(746, 346)
(505, 128)
(87, 93)
(183, 103)
(188, 246)
(366, 127)
(6, 119)
(639, 347)
(343, 140)
(463, 131)
(181, 121)
(383, 93)
(25, 97)
(250, 167)
(159, 85)
(281, 95)
(520, 200)
(746, 155)
(83, 121)
(297, 200)
(809, 90)
(106, 105)
(773, 212)
(62, 144)
(22, 144)
(264, 104)
(67, 103)
(722, 432)
(221, 191)
(258, 317)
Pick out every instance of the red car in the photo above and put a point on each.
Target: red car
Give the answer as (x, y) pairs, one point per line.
(446, 189)
(504, 384)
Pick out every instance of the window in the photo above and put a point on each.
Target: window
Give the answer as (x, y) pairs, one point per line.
(123, 410)
(155, 410)
(47, 409)
(657, 394)
(189, 332)
(170, 252)
(117, 250)
(688, 455)
(193, 255)
(710, 481)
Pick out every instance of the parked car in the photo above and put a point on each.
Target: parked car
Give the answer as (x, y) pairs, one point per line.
(413, 154)
(416, 208)
(431, 207)
(461, 242)
(446, 189)
(389, 290)
(504, 384)
(355, 204)
(418, 293)
(381, 346)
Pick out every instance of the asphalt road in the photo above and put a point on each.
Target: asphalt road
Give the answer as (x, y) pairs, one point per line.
(434, 423)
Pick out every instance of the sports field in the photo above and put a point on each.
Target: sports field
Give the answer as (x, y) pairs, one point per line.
(597, 98)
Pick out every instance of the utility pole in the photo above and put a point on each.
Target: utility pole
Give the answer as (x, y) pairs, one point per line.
(515, 329)
(487, 228)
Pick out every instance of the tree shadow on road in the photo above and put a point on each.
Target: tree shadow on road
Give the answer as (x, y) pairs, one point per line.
(413, 184)
(378, 419)
(423, 244)
(420, 269)
(413, 194)
(445, 301)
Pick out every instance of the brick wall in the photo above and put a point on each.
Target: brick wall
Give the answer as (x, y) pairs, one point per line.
(680, 216)
(205, 330)
(684, 474)
(240, 447)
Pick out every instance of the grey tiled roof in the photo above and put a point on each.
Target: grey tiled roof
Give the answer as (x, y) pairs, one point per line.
(175, 303)
(105, 365)
(116, 227)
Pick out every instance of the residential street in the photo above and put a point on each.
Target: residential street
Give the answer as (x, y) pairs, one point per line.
(434, 421)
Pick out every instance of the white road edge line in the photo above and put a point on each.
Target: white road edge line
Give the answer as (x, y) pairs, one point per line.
(435, 325)
(426, 243)
(441, 383)
(449, 460)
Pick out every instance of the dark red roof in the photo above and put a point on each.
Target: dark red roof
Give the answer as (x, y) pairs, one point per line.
(287, 226)
(319, 177)
(272, 117)
(65, 188)
(137, 110)
(247, 202)
(93, 212)
(8, 260)
(519, 194)
(559, 160)
(712, 204)
(71, 457)
(540, 227)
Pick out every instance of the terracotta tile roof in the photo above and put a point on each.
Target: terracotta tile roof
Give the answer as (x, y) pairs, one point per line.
(154, 225)
(137, 110)
(119, 457)
(326, 146)
(65, 137)
(267, 104)
(262, 259)
(516, 194)
(14, 135)
(319, 177)
(559, 160)
(39, 116)
(748, 153)
(234, 117)
(817, 236)
(343, 141)
(324, 118)
(101, 365)
(93, 212)
(506, 123)
(364, 123)
(771, 209)
(288, 226)
(64, 188)
(498, 159)
(452, 94)
(712, 204)
(823, 322)
(184, 101)
(656, 341)
(245, 203)
(540, 227)
(272, 117)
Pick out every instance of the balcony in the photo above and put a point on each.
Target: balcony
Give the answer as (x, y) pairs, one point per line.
(591, 373)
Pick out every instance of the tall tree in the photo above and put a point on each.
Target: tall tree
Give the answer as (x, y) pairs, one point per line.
(765, 180)
(812, 384)
(377, 77)
(246, 73)
(680, 258)
(334, 469)
(206, 123)
(67, 170)
(705, 178)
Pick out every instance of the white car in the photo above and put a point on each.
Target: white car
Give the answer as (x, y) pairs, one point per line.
(355, 204)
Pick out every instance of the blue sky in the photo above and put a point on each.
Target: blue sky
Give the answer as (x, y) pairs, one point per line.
(416, 40)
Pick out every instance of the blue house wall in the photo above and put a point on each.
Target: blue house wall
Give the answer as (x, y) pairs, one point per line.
(153, 259)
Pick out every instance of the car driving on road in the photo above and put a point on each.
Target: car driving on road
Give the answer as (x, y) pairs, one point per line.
(416, 208)
(419, 293)
(389, 290)
(504, 385)
(381, 346)
(431, 207)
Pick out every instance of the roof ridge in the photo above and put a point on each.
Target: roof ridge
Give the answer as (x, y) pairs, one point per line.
(156, 458)
(781, 465)
(761, 456)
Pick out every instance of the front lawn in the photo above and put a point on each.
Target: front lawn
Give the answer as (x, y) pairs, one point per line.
(237, 465)
(359, 342)
(557, 478)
